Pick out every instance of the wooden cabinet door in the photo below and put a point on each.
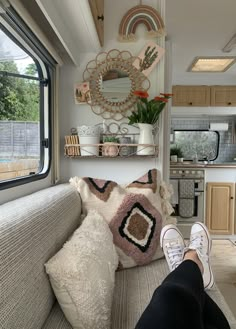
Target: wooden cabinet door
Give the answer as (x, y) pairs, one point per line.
(220, 208)
(97, 9)
(223, 95)
(191, 96)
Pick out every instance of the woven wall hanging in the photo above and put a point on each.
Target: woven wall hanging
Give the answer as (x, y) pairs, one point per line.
(137, 15)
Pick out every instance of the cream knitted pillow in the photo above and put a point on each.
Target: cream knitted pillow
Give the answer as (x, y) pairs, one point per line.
(82, 274)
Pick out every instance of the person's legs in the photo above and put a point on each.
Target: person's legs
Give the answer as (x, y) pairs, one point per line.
(200, 241)
(178, 302)
(200, 245)
(181, 302)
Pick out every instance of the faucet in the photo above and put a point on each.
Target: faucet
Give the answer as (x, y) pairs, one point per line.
(206, 160)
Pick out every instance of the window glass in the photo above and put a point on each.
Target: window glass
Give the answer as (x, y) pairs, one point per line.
(14, 59)
(20, 123)
(201, 143)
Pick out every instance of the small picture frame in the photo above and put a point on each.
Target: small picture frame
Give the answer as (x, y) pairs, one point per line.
(82, 93)
(156, 53)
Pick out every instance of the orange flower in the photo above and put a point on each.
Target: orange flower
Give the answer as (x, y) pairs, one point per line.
(166, 95)
(141, 94)
(162, 99)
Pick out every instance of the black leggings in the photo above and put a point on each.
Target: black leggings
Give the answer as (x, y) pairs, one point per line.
(180, 302)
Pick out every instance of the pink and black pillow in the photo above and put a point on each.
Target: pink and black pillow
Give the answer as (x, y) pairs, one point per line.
(134, 214)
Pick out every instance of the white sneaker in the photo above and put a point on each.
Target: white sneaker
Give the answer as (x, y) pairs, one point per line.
(172, 242)
(200, 241)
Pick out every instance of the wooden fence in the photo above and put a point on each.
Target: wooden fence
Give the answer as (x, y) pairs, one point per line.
(19, 139)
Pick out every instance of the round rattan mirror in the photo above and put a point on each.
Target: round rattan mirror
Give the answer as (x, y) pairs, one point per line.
(112, 79)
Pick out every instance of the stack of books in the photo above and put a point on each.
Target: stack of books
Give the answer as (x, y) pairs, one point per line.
(70, 149)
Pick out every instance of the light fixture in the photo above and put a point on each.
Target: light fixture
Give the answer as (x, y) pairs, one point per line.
(212, 64)
(230, 45)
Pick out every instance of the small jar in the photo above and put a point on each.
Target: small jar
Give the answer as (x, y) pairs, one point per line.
(125, 150)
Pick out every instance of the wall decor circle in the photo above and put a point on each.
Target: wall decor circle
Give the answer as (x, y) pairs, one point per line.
(112, 80)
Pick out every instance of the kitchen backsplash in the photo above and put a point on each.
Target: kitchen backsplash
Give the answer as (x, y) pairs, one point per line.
(227, 149)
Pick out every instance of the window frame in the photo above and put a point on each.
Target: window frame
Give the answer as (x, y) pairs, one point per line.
(218, 144)
(22, 35)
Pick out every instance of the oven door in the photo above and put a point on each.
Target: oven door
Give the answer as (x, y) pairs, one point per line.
(189, 210)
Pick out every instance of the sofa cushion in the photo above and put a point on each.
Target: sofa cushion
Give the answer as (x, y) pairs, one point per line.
(133, 291)
(136, 229)
(134, 213)
(33, 228)
(106, 196)
(56, 319)
(82, 274)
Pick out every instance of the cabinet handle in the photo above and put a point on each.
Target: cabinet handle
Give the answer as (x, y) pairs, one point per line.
(190, 103)
(231, 197)
(229, 103)
(100, 18)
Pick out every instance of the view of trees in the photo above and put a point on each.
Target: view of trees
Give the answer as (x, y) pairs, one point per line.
(19, 97)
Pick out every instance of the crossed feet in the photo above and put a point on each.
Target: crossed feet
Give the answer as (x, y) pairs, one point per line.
(198, 250)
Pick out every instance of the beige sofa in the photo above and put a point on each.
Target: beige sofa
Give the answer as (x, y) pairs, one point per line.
(32, 230)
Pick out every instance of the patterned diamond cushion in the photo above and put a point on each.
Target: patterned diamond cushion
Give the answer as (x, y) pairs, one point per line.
(134, 213)
(136, 230)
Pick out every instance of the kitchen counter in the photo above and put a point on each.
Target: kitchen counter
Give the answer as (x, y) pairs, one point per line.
(187, 164)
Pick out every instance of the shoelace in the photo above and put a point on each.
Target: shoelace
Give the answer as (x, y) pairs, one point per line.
(197, 242)
(175, 253)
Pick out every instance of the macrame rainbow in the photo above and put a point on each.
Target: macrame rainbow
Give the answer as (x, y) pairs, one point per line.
(137, 15)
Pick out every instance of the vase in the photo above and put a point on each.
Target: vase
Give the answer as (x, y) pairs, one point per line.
(145, 137)
(89, 135)
(110, 149)
(173, 158)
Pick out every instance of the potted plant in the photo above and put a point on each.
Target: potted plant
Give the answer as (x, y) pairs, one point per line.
(110, 147)
(146, 116)
(176, 154)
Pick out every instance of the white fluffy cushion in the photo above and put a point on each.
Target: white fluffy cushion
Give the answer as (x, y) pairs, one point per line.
(82, 274)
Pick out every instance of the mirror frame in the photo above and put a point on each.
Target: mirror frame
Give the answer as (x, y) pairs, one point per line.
(97, 68)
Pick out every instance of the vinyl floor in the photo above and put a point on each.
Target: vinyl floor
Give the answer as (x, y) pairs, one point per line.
(223, 261)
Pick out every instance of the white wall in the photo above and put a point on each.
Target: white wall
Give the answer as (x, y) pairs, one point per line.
(72, 115)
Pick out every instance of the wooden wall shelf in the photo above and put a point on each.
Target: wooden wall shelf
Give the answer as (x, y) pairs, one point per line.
(111, 151)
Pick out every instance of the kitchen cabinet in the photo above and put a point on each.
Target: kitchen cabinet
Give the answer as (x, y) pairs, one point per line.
(220, 204)
(191, 96)
(204, 96)
(97, 9)
(223, 95)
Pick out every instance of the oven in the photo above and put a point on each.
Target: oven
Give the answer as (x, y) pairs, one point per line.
(188, 198)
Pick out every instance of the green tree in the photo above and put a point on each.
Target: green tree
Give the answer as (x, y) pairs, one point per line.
(31, 69)
(19, 98)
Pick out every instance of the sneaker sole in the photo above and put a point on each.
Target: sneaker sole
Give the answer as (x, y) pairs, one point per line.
(207, 233)
(211, 282)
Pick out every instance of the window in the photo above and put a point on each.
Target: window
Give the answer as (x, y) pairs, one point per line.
(201, 143)
(26, 72)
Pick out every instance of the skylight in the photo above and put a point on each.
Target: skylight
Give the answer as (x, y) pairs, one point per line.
(211, 64)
